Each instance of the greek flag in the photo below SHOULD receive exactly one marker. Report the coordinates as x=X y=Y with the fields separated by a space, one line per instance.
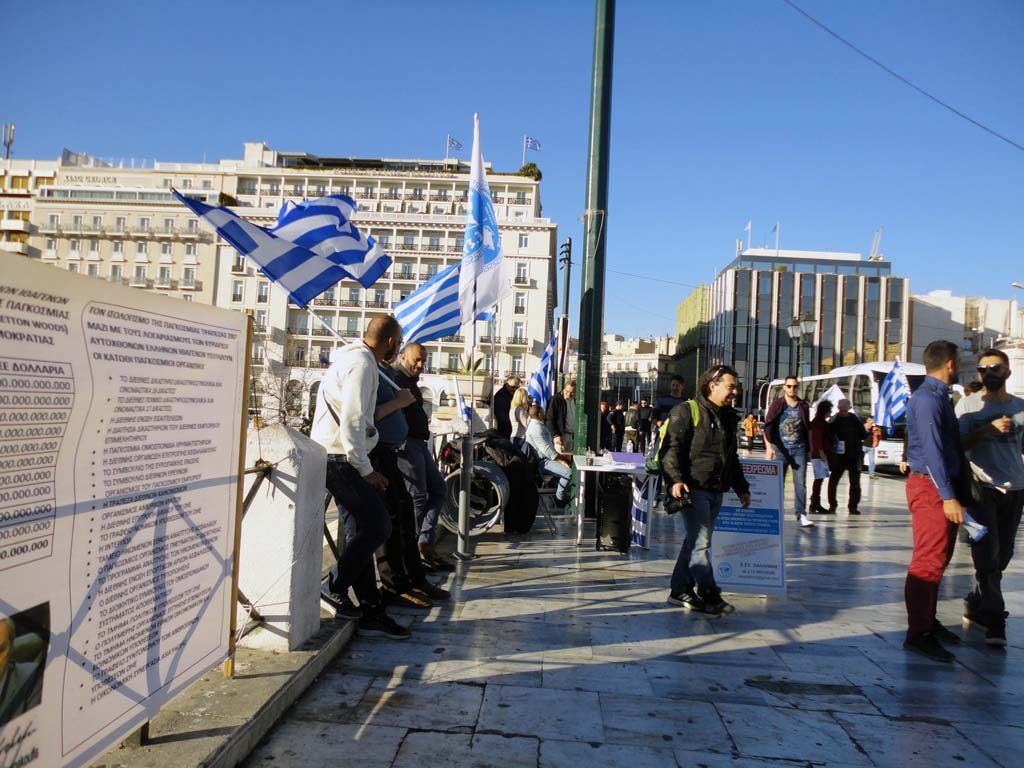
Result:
x=302 y=273
x=893 y=396
x=453 y=144
x=324 y=226
x=432 y=310
x=645 y=489
x=482 y=280
x=542 y=383
x=460 y=402
x=531 y=143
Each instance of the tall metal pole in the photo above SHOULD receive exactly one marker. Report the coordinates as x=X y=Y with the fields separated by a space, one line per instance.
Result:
x=595 y=235
x=563 y=324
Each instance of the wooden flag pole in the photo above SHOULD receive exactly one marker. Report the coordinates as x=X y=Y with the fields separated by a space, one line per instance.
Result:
x=229 y=662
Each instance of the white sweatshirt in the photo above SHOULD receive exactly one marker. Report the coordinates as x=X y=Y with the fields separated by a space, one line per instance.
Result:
x=350 y=387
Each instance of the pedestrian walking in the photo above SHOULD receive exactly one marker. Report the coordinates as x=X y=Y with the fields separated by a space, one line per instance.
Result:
x=992 y=428
x=630 y=432
x=605 y=436
x=787 y=433
x=644 y=422
x=821 y=454
x=561 y=417
x=702 y=461
x=519 y=415
x=848 y=435
x=617 y=419
x=871 y=443
x=936 y=463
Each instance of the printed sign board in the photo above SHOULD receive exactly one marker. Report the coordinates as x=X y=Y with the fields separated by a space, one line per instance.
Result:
x=749 y=550
x=120 y=413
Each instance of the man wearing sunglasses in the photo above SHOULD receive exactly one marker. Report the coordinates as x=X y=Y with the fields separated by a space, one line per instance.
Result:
x=992 y=428
x=787 y=431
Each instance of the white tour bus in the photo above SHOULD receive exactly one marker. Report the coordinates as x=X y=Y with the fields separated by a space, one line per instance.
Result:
x=860 y=384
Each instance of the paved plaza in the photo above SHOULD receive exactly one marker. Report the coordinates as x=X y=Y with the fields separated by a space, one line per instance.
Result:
x=553 y=655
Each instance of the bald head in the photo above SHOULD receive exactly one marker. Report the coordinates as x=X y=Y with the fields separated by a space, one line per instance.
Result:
x=413 y=358
x=384 y=338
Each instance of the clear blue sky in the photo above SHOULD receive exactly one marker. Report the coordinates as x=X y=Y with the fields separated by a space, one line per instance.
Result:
x=721 y=112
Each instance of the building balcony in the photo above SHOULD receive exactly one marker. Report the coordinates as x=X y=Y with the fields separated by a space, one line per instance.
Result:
x=301 y=331
x=259 y=328
x=14 y=247
x=404 y=275
x=257 y=360
x=165 y=282
x=453 y=339
x=390 y=195
x=521 y=280
x=238 y=268
x=324 y=302
x=433 y=248
x=406 y=247
x=518 y=201
x=190 y=284
x=377 y=304
x=350 y=333
x=440 y=198
x=519 y=310
x=489 y=339
x=15 y=225
x=367 y=194
x=415 y=197
x=321 y=332
x=455 y=249
x=51 y=228
x=350 y=303
x=497 y=199
x=427 y=275
x=517 y=340
x=506 y=374
x=271 y=192
x=117 y=280
x=140 y=282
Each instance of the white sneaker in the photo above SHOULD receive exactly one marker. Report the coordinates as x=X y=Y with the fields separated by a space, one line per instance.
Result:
x=806 y=522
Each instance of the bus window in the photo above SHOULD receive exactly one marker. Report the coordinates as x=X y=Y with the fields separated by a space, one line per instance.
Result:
x=861 y=395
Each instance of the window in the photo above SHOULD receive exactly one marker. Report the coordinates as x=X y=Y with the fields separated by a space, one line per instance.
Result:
x=140 y=273
x=257 y=351
x=97 y=222
x=237 y=288
x=519 y=330
x=263 y=292
x=517 y=363
x=188 y=275
x=408 y=240
x=207 y=184
x=353 y=295
x=378 y=296
x=51 y=245
x=168 y=225
x=141 y=248
x=94 y=248
x=119 y=246
x=431 y=269
x=168 y=183
x=261 y=318
x=144 y=223
x=520 y=303
x=524 y=241
x=73 y=267
x=93 y=270
x=321 y=190
x=247 y=187
x=522 y=272
x=74 y=246
x=453 y=361
x=520 y=198
x=298 y=189
x=165 y=275
x=193 y=225
x=352 y=326
x=187 y=296
x=190 y=249
x=121 y=223
x=165 y=249
x=76 y=222
x=53 y=219
x=115 y=272
x=19 y=182
x=275 y=188
x=186 y=183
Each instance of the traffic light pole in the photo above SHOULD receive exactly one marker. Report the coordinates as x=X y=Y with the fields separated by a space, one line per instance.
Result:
x=595 y=235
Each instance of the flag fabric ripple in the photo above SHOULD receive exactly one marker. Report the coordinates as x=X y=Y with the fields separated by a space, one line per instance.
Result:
x=893 y=395
x=542 y=383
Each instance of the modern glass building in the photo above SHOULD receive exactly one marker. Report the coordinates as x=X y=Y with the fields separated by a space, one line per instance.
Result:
x=853 y=311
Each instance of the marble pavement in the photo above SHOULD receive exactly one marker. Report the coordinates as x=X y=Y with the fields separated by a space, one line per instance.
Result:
x=552 y=655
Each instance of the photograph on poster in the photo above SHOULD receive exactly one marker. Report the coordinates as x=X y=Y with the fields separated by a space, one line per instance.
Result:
x=24 y=641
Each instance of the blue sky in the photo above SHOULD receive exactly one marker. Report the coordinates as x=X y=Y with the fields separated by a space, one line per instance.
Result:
x=722 y=111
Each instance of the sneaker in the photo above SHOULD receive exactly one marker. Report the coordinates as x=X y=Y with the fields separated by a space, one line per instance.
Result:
x=687 y=600
x=562 y=503
x=407 y=598
x=805 y=521
x=382 y=625
x=995 y=635
x=854 y=512
x=717 y=606
x=928 y=646
x=343 y=606
x=431 y=591
x=944 y=635
x=817 y=509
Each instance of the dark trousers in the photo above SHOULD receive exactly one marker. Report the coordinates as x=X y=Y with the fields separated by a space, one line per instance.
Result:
x=838 y=464
x=617 y=439
x=1000 y=513
x=934 y=540
x=816 y=493
x=425 y=485
x=367 y=526
x=398 y=559
x=643 y=436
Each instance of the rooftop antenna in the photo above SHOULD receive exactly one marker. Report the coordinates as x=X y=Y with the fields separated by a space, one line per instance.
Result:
x=8 y=139
x=876 y=254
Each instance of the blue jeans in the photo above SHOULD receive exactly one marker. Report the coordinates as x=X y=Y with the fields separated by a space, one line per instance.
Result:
x=367 y=526
x=426 y=486
x=559 y=470
x=693 y=566
x=801 y=459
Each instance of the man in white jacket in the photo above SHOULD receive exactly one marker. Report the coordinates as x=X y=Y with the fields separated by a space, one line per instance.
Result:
x=343 y=425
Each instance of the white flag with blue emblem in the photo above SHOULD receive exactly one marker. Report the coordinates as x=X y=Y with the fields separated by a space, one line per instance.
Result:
x=302 y=273
x=542 y=383
x=482 y=280
x=893 y=396
x=324 y=226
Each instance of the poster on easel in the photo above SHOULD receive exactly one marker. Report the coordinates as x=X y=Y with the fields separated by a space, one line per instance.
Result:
x=119 y=458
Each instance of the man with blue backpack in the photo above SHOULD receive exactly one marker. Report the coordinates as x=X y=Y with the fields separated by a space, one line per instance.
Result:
x=700 y=458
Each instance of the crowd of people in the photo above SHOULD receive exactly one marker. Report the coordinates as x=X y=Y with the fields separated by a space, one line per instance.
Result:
x=371 y=420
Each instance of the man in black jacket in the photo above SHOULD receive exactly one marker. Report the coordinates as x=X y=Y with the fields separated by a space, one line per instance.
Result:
x=561 y=417
x=419 y=471
x=501 y=402
x=702 y=460
x=644 y=420
x=849 y=433
x=617 y=420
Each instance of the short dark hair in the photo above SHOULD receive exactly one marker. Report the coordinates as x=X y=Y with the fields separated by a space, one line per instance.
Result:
x=792 y=376
x=677 y=377
x=938 y=353
x=990 y=352
x=712 y=374
x=536 y=412
x=824 y=408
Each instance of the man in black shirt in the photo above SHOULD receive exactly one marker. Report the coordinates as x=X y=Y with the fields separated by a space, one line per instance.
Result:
x=644 y=417
x=617 y=420
x=502 y=404
x=416 y=463
x=849 y=433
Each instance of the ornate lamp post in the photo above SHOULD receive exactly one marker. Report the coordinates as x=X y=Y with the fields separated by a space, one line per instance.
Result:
x=799 y=327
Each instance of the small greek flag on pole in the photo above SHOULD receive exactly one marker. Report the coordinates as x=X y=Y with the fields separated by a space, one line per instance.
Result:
x=463 y=408
x=453 y=143
x=893 y=395
x=432 y=310
x=531 y=143
x=542 y=383
x=302 y=273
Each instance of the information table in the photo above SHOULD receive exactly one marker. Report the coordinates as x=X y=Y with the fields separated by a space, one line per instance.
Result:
x=604 y=463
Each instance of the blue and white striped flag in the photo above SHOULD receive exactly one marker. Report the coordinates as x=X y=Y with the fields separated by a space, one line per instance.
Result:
x=464 y=410
x=893 y=396
x=324 y=226
x=531 y=143
x=302 y=273
x=482 y=280
x=453 y=144
x=432 y=310
x=542 y=383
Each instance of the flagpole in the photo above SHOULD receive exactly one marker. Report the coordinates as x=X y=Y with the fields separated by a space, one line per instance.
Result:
x=490 y=368
x=347 y=342
x=777 y=228
x=466 y=475
x=524 y=152
x=447 y=144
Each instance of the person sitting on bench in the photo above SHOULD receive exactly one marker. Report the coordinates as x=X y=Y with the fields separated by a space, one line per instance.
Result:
x=551 y=462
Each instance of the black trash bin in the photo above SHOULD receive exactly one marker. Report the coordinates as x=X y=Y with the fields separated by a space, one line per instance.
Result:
x=614 y=524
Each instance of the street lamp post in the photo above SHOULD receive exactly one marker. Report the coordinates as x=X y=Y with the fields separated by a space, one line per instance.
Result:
x=798 y=328
x=652 y=376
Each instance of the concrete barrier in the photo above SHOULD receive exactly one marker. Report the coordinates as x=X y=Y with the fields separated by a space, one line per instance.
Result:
x=282 y=539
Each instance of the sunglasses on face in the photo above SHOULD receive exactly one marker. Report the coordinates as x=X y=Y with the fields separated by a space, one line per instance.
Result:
x=997 y=368
x=789 y=386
